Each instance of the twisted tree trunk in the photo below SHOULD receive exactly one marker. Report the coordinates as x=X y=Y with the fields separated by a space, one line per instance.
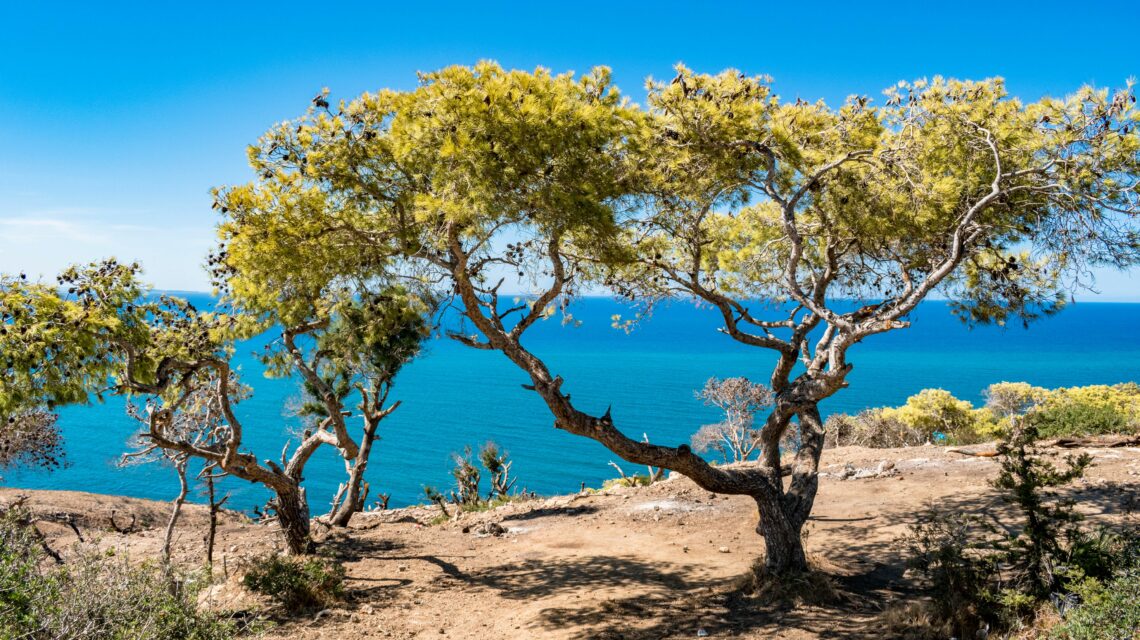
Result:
x=356 y=490
x=293 y=517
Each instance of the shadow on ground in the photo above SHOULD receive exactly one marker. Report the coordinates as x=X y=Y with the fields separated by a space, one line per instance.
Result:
x=676 y=600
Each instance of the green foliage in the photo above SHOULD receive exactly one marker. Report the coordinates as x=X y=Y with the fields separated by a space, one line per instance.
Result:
x=466 y=495
x=341 y=193
x=61 y=345
x=730 y=161
x=1026 y=480
x=298 y=584
x=1107 y=610
x=467 y=478
x=496 y=462
x=94 y=596
x=1092 y=410
x=939 y=416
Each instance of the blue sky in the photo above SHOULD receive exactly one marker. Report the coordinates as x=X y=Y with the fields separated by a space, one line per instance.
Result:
x=116 y=119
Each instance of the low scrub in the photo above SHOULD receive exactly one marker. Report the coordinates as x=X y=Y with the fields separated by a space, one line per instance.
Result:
x=1105 y=610
x=466 y=496
x=95 y=595
x=935 y=416
x=300 y=584
x=988 y=572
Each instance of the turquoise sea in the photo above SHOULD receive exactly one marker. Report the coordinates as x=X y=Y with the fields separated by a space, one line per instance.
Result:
x=455 y=396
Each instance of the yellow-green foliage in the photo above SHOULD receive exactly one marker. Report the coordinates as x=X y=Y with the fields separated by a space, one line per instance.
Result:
x=938 y=415
x=343 y=192
x=935 y=415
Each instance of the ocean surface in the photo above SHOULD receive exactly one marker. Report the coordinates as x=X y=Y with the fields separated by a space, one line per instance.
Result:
x=454 y=396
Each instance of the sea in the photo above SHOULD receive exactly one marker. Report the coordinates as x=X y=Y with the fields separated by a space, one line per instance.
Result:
x=453 y=396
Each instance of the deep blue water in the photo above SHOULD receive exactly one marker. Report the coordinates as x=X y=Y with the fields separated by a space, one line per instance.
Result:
x=455 y=396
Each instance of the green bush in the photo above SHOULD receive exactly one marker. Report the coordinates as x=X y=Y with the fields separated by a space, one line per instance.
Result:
x=1068 y=419
x=1107 y=611
x=94 y=596
x=990 y=571
x=300 y=584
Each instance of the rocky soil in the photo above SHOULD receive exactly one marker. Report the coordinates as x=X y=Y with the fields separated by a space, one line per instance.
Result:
x=666 y=561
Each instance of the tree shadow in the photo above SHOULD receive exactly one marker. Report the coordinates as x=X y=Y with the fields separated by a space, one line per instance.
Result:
x=671 y=599
x=546 y=577
x=543 y=512
x=351 y=548
x=676 y=605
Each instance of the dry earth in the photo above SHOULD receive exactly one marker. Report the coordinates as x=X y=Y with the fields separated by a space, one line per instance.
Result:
x=665 y=561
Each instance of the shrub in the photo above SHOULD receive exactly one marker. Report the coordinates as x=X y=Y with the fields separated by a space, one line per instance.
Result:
x=1092 y=410
x=95 y=596
x=633 y=480
x=987 y=574
x=932 y=415
x=1107 y=610
x=955 y=552
x=297 y=583
x=104 y=596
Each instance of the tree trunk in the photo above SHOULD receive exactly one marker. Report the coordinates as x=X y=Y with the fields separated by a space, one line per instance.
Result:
x=356 y=489
x=783 y=544
x=293 y=517
x=783 y=512
x=175 y=510
x=215 y=508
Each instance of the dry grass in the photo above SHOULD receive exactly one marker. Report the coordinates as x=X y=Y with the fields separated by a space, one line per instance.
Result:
x=816 y=587
x=912 y=621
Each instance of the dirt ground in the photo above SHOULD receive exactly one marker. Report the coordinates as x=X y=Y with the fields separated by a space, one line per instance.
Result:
x=665 y=561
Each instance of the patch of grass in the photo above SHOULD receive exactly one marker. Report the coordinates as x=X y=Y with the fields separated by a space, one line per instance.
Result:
x=300 y=584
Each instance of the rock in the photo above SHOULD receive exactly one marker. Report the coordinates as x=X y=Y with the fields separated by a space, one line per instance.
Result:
x=701 y=633
x=723 y=550
x=490 y=529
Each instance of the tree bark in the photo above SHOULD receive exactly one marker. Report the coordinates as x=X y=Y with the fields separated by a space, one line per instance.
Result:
x=356 y=489
x=175 y=510
x=783 y=543
x=293 y=517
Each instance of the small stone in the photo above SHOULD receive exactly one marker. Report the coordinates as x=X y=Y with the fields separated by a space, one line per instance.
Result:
x=723 y=550
x=685 y=549
x=490 y=529
x=401 y=567
x=701 y=633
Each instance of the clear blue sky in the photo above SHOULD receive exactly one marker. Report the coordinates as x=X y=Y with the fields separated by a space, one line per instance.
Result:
x=116 y=119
